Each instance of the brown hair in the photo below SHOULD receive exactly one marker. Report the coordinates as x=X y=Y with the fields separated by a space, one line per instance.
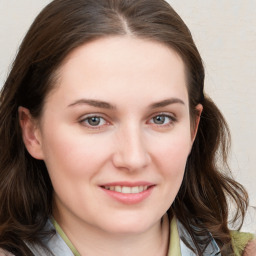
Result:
x=25 y=187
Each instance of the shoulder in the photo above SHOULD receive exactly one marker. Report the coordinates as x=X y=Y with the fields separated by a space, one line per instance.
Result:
x=5 y=253
x=243 y=242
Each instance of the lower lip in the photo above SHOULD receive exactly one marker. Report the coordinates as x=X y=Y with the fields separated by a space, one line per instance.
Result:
x=129 y=198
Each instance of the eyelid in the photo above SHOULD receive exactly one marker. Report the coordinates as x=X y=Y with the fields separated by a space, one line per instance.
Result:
x=163 y=113
x=166 y=114
x=98 y=115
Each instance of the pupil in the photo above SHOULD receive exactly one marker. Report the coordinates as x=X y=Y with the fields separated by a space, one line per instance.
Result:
x=94 y=120
x=159 y=119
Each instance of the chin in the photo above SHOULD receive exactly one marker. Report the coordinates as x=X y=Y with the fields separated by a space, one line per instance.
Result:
x=130 y=226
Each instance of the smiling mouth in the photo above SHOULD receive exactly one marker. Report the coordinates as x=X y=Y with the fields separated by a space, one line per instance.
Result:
x=127 y=190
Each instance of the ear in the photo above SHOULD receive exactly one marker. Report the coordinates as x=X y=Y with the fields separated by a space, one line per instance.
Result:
x=195 y=124
x=30 y=133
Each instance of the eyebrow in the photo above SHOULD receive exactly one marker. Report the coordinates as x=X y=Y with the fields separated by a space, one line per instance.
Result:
x=106 y=105
x=93 y=103
x=167 y=102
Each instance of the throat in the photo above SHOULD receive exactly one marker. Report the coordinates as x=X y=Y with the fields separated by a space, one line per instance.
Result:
x=152 y=243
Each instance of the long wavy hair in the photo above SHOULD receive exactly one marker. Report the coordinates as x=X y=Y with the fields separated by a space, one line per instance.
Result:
x=63 y=25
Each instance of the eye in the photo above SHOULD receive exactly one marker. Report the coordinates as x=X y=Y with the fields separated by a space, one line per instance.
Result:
x=94 y=121
x=162 y=119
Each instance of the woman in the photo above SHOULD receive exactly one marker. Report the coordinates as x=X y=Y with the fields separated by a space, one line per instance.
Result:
x=108 y=144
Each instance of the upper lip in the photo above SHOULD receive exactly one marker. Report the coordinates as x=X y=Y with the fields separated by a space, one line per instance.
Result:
x=127 y=184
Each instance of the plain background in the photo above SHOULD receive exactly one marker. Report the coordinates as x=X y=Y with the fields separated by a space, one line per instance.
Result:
x=225 y=33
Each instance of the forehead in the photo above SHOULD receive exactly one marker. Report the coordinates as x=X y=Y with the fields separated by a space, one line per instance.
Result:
x=124 y=65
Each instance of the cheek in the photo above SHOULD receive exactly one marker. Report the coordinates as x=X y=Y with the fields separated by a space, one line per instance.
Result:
x=70 y=155
x=173 y=152
x=72 y=162
x=174 y=163
x=171 y=158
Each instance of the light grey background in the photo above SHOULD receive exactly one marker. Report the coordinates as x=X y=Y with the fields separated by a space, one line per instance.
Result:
x=225 y=33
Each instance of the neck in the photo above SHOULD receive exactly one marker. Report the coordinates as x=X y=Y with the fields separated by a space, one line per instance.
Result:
x=91 y=241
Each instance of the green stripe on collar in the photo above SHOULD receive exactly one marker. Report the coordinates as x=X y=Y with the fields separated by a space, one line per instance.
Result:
x=64 y=237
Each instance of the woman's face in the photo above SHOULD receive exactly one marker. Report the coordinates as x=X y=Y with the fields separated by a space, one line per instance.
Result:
x=115 y=134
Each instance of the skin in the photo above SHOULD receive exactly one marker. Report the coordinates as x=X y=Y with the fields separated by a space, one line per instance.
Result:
x=142 y=133
x=250 y=249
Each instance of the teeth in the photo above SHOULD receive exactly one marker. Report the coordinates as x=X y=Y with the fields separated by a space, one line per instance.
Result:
x=134 y=190
x=127 y=190
x=118 y=189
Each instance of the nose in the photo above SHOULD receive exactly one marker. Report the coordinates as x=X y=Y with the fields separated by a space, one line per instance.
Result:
x=130 y=150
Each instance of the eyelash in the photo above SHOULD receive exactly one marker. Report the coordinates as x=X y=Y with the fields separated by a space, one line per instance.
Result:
x=171 y=121
x=85 y=121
